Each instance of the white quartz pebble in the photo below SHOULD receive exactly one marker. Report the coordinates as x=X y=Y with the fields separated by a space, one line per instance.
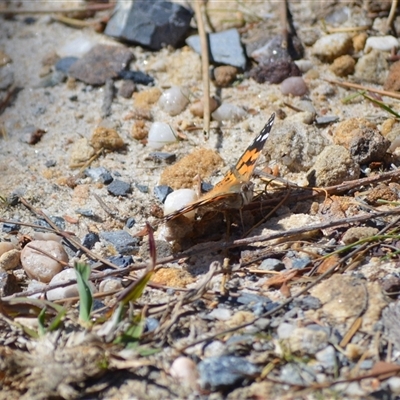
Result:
x=38 y=265
x=174 y=100
x=178 y=199
x=65 y=291
x=228 y=112
x=160 y=134
x=184 y=370
x=382 y=43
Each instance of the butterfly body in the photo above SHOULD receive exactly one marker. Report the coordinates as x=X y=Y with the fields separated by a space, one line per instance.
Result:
x=235 y=190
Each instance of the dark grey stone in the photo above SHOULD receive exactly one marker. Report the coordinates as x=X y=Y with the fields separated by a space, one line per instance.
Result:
x=99 y=174
x=119 y=188
x=90 y=240
x=225 y=48
x=10 y=227
x=161 y=192
x=136 y=77
x=161 y=156
x=123 y=242
x=152 y=24
x=219 y=373
x=142 y=188
x=65 y=63
x=121 y=261
x=130 y=222
x=272 y=264
x=85 y=212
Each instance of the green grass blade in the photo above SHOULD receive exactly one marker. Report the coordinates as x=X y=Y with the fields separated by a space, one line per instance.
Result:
x=85 y=293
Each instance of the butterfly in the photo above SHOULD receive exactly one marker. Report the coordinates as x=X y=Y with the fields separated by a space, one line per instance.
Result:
x=235 y=190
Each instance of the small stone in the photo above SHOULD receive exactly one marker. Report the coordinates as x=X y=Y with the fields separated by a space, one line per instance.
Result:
x=119 y=188
x=106 y=138
x=142 y=188
x=224 y=75
x=85 y=212
x=10 y=260
x=372 y=67
x=99 y=174
x=146 y=98
x=275 y=72
x=333 y=166
x=5 y=247
x=110 y=284
x=123 y=242
x=130 y=222
x=197 y=108
x=392 y=81
x=126 y=89
x=161 y=134
x=121 y=261
x=152 y=24
x=8 y=284
x=81 y=152
x=161 y=192
x=381 y=43
x=65 y=291
x=168 y=158
x=218 y=373
x=327 y=357
x=271 y=264
x=32 y=134
x=6 y=78
x=102 y=62
x=343 y=65
x=58 y=221
x=297 y=374
x=304 y=340
x=174 y=100
x=90 y=239
x=359 y=41
x=225 y=48
x=65 y=63
x=229 y=112
x=9 y=227
x=77 y=47
x=357 y=233
x=294 y=85
x=185 y=371
x=178 y=199
x=394 y=384
x=39 y=266
x=329 y=47
x=4 y=58
x=139 y=130
x=138 y=77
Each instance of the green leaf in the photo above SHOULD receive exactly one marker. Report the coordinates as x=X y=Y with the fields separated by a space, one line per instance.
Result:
x=85 y=293
x=42 y=322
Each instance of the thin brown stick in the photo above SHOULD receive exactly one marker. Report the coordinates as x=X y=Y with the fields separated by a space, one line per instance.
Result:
x=205 y=62
x=89 y=7
x=392 y=15
x=362 y=87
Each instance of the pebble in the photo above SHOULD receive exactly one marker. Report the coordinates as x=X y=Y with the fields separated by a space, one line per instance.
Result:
x=31 y=134
x=275 y=72
x=343 y=65
x=136 y=76
x=381 y=43
x=81 y=152
x=36 y=285
x=394 y=384
x=5 y=247
x=144 y=100
x=329 y=47
x=58 y=221
x=185 y=371
x=121 y=261
x=152 y=24
x=168 y=158
x=110 y=284
x=297 y=374
x=359 y=41
x=10 y=260
x=178 y=199
x=119 y=188
x=333 y=166
x=77 y=47
x=362 y=139
x=161 y=192
x=174 y=100
x=272 y=264
x=90 y=239
x=221 y=314
x=307 y=303
x=197 y=108
x=37 y=265
x=106 y=138
x=65 y=63
x=326 y=357
x=101 y=63
x=130 y=222
x=224 y=75
x=126 y=89
x=142 y=188
x=6 y=78
x=392 y=82
x=218 y=373
x=285 y=330
x=372 y=67
x=294 y=85
x=9 y=227
x=357 y=233
x=65 y=291
x=161 y=134
x=99 y=174
x=4 y=59
x=304 y=65
x=123 y=242
x=139 y=130
x=229 y=112
x=225 y=48
x=85 y=212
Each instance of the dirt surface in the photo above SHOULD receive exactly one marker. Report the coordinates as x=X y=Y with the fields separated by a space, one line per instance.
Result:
x=195 y=295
